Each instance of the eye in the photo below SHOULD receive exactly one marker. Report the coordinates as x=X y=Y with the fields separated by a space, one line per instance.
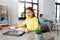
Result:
x=29 y=12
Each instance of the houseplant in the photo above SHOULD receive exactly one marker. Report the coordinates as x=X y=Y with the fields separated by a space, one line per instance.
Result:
x=38 y=34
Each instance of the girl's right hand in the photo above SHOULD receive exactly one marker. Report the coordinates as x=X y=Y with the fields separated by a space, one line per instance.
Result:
x=16 y=27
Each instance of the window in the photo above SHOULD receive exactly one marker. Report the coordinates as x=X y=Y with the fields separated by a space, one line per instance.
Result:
x=28 y=5
x=20 y=7
x=23 y=4
x=58 y=1
x=28 y=0
x=57 y=5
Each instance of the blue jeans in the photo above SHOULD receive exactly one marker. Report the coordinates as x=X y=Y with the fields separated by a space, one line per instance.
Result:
x=48 y=24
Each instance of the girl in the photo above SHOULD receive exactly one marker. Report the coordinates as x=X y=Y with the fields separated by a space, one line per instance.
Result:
x=31 y=21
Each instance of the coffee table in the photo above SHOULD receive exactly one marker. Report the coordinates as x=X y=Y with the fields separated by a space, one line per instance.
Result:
x=31 y=36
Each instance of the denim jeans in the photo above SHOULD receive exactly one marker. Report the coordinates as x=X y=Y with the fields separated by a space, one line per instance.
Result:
x=48 y=24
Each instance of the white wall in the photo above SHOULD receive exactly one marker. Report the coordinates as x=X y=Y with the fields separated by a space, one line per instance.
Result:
x=41 y=6
x=49 y=8
x=13 y=10
x=45 y=6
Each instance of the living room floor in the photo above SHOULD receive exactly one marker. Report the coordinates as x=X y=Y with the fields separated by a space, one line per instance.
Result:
x=2 y=37
x=5 y=37
x=54 y=34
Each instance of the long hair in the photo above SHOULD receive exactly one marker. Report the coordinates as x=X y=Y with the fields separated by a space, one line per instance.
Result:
x=30 y=8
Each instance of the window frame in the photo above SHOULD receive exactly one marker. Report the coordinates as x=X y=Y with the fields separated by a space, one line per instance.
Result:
x=56 y=3
x=32 y=7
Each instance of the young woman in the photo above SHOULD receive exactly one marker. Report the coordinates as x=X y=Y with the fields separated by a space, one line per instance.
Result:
x=31 y=21
x=42 y=22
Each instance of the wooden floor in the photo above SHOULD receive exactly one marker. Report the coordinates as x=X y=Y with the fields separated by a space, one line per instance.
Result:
x=29 y=36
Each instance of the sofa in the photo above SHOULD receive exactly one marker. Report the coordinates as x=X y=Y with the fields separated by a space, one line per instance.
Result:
x=45 y=27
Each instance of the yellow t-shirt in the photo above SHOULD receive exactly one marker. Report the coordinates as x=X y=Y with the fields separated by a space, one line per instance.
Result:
x=31 y=23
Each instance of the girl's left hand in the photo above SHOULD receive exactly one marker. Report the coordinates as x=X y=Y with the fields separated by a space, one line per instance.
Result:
x=26 y=30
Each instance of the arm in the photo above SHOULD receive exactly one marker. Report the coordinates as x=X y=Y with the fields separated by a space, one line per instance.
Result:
x=21 y=25
x=36 y=24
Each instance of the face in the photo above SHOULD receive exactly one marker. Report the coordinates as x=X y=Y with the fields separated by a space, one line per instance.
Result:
x=42 y=16
x=29 y=13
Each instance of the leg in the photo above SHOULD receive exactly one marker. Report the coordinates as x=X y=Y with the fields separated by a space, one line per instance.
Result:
x=49 y=25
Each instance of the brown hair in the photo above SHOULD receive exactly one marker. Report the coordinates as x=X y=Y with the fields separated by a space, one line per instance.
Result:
x=30 y=8
x=41 y=15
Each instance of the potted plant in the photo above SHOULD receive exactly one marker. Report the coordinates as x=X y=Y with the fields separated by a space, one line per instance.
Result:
x=38 y=34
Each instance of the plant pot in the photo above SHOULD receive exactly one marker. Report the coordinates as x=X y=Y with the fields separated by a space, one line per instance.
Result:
x=38 y=37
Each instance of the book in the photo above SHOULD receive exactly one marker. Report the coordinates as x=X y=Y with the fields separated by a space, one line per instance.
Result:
x=20 y=30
